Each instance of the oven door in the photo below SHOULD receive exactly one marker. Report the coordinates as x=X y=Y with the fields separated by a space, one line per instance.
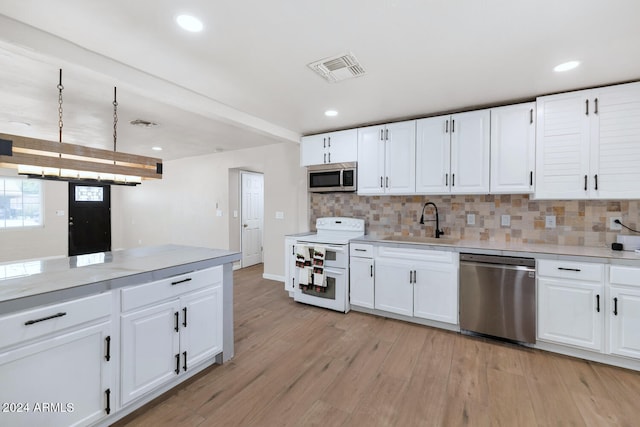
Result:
x=333 y=297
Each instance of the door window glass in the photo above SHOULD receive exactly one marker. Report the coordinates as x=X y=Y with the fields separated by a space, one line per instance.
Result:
x=20 y=203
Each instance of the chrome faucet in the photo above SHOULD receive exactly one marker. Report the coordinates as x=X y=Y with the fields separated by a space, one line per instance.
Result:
x=437 y=220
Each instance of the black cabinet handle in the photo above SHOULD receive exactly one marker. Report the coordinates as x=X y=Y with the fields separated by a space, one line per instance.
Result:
x=31 y=322
x=329 y=156
x=184 y=312
x=387 y=182
x=453 y=179
x=177 y=371
x=596 y=179
x=615 y=306
x=177 y=316
x=372 y=271
x=108 y=355
x=568 y=269
x=446 y=127
x=453 y=126
x=188 y=279
x=324 y=158
x=598 y=303
x=531 y=116
x=184 y=353
x=585 y=183
x=107 y=394
x=329 y=145
x=531 y=178
x=360 y=250
x=446 y=179
x=596 y=109
x=381 y=182
x=586 y=103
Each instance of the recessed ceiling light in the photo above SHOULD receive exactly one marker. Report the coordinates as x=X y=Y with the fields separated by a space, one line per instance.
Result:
x=331 y=113
x=566 y=66
x=190 y=23
x=156 y=148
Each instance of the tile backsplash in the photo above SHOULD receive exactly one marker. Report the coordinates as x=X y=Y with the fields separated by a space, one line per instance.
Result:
x=578 y=222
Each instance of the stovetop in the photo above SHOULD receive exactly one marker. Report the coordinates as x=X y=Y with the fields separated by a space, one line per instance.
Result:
x=336 y=230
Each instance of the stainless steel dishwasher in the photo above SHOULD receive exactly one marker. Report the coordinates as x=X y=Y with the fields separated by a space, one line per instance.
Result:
x=498 y=296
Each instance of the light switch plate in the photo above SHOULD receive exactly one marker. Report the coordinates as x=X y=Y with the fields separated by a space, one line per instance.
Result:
x=505 y=220
x=471 y=219
x=279 y=215
x=550 y=221
x=235 y=214
x=218 y=212
x=613 y=225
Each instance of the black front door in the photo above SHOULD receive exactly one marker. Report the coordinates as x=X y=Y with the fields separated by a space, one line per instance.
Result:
x=89 y=218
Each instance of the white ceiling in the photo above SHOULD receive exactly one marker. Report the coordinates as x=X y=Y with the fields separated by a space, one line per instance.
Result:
x=243 y=81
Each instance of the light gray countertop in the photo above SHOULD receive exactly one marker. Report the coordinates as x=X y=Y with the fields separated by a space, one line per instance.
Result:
x=533 y=250
x=36 y=282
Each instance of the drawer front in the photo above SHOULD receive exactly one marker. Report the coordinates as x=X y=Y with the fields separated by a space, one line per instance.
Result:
x=619 y=275
x=591 y=272
x=417 y=254
x=150 y=293
x=38 y=322
x=361 y=250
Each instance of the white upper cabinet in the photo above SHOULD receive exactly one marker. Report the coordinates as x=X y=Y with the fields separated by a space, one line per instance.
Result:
x=513 y=148
x=453 y=154
x=386 y=158
x=332 y=147
x=588 y=144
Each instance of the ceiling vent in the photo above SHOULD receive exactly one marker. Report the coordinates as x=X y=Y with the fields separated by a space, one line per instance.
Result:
x=143 y=123
x=337 y=68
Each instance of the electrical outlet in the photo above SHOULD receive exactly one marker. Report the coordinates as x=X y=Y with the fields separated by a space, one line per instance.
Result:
x=505 y=220
x=471 y=219
x=550 y=221
x=613 y=225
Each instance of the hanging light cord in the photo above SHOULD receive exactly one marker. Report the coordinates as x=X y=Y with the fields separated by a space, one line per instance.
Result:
x=617 y=221
x=115 y=120
x=60 y=123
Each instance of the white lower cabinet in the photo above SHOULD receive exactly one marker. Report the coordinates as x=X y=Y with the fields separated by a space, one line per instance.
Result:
x=361 y=276
x=624 y=311
x=164 y=334
x=62 y=378
x=571 y=313
x=419 y=283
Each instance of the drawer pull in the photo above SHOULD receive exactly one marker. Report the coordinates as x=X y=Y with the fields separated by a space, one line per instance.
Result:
x=360 y=250
x=107 y=394
x=598 y=303
x=108 y=355
x=31 y=322
x=615 y=306
x=568 y=269
x=177 y=371
x=188 y=279
x=184 y=353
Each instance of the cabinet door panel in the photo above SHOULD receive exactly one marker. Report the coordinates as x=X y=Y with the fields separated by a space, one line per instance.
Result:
x=393 y=290
x=361 y=282
x=562 y=146
x=567 y=313
x=201 y=338
x=433 y=156
x=370 y=160
x=435 y=294
x=512 y=148
x=624 y=312
x=470 y=152
x=342 y=146
x=312 y=150
x=149 y=344
x=615 y=142
x=400 y=158
x=68 y=369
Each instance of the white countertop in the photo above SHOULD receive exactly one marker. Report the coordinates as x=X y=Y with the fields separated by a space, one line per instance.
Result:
x=534 y=250
x=103 y=271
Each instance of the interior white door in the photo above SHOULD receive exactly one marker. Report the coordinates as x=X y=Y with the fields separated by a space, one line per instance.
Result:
x=252 y=217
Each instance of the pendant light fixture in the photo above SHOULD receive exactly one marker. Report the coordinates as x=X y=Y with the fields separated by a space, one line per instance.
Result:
x=42 y=159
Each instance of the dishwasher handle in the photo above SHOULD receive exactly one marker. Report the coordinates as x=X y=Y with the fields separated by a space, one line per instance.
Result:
x=497 y=266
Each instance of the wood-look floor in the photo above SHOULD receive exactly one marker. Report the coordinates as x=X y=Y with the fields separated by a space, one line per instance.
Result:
x=298 y=365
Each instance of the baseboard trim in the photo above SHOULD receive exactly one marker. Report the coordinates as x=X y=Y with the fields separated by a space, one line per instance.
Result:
x=275 y=277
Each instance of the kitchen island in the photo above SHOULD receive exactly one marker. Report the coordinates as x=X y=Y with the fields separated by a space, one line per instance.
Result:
x=128 y=325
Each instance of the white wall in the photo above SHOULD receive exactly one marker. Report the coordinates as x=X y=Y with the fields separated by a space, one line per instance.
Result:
x=181 y=208
x=39 y=242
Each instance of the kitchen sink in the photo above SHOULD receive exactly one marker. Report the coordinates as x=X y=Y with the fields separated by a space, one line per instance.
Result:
x=420 y=239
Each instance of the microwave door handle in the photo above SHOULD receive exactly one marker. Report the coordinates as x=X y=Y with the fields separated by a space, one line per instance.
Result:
x=341 y=178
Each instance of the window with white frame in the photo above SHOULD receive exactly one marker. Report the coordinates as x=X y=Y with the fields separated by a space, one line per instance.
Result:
x=20 y=203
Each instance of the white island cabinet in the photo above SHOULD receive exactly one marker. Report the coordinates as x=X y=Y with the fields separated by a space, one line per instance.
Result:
x=87 y=340
x=624 y=311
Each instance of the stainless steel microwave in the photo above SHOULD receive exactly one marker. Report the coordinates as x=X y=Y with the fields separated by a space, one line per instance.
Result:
x=332 y=177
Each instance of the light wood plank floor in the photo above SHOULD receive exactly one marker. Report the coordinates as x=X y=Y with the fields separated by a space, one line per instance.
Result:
x=298 y=365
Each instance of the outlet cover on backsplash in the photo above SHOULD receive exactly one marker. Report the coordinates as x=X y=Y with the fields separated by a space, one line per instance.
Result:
x=579 y=222
x=550 y=221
